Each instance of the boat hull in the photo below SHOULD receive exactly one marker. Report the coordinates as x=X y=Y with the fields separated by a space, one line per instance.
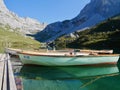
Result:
x=68 y=60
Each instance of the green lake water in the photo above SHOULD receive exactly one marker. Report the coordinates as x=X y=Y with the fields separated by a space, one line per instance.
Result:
x=66 y=78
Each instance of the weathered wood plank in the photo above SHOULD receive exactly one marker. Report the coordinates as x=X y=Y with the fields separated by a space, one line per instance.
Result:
x=2 y=56
x=7 y=81
x=5 y=76
x=11 y=76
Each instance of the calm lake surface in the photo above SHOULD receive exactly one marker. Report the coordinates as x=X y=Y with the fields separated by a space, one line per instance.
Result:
x=66 y=78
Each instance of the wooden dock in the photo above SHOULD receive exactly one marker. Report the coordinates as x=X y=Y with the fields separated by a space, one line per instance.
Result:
x=7 y=81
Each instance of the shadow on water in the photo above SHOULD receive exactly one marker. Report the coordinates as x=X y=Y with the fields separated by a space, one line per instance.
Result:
x=69 y=78
x=118 y=63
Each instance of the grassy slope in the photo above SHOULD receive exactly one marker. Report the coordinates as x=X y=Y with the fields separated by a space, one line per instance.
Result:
x=104 y=36
x=15 y=40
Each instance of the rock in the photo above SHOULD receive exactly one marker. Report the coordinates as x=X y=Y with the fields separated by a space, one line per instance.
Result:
x=13 y=21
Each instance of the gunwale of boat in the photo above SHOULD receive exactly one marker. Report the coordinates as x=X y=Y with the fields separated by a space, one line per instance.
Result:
x=63 y=54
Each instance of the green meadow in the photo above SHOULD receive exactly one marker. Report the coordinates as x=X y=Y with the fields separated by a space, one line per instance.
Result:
x=16 y=40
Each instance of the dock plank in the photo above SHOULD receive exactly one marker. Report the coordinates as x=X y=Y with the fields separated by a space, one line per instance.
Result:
x=2 y=56
x=5 y=76
x=7 y=81
x=11 y=76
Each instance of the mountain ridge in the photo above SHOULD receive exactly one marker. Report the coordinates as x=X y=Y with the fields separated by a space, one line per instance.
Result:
x=93 y=13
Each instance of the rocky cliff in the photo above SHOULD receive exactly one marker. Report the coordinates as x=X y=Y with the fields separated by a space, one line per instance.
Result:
x=93 y=13
x=13 y=21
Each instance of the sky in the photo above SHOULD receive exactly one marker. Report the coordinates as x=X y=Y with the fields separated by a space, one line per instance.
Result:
x=46 y=11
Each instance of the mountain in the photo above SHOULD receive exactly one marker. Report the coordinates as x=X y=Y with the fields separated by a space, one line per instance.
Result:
x=92 y=14
x=13 y=21
x=105 y=35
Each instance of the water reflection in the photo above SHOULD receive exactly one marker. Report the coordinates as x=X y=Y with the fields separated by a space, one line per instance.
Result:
x=71 y=72
x=67 y=78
